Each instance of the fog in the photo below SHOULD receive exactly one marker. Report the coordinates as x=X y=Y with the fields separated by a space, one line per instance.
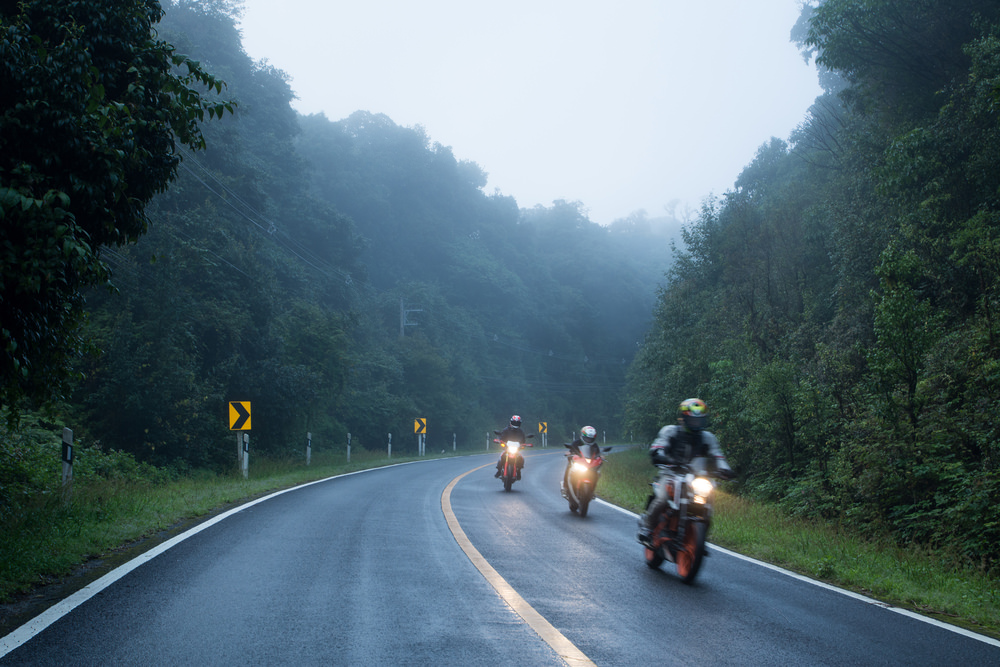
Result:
x=647 y=104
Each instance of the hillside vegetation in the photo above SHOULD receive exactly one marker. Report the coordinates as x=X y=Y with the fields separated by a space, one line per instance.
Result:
x=838 y=308
x=172 y=244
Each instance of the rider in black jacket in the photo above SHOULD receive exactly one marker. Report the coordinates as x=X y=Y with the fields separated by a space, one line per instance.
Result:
x=512 y=432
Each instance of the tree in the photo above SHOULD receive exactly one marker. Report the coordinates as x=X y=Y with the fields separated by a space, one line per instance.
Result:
x=92 y=110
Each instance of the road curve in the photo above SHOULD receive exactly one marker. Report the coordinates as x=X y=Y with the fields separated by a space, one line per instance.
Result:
x=365 y=569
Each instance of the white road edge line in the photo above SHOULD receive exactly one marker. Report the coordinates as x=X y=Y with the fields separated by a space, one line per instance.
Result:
x=33 y=627
x=857 y=596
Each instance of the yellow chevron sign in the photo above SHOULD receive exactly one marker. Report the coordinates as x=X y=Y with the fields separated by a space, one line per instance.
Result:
x=420 y=425
x=239 y=415
x=543 y=427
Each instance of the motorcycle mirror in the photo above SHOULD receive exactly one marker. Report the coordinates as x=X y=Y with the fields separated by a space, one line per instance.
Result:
x=531 y=435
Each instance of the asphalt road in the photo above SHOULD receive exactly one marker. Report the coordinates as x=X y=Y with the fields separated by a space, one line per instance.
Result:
x=364 y=569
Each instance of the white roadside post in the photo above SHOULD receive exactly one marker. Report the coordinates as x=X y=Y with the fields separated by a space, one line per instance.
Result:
x=309 y=447
x=67 y=456
x=390 y=445
x=348 y=447
x=246 y=455
x=454 y=445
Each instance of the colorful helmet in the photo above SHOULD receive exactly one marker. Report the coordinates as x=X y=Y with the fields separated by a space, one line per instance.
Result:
x=694 y=414
x=515 y=421
x=588 y=434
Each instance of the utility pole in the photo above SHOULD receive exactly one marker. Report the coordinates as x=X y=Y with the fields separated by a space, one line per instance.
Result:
x=403 y=320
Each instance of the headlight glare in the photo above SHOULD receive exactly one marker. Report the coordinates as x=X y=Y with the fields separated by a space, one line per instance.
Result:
x=702 y=487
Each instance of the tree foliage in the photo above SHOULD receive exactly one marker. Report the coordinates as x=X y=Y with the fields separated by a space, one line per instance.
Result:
x=93 y=106
x=847 y=287
x=279 y=266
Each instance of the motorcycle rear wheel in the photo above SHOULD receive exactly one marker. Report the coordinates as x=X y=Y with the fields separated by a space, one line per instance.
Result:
x=689 y=558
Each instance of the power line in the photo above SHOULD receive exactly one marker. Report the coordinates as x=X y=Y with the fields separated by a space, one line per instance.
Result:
x=269 y=231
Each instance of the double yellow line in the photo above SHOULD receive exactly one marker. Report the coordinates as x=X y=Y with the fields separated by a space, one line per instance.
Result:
x=566 y=650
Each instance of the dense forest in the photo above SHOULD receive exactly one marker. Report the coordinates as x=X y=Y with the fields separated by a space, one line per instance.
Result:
x=345 y=277
x=838 y=307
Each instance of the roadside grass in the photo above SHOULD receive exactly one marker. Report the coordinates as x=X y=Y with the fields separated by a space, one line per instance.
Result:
x=921 y=580
x=53 y=534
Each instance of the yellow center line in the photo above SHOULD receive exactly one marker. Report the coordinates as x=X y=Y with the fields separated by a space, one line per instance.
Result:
x=566 y=650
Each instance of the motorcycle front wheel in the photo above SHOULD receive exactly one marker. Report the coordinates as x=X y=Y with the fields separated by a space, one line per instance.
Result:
x=653 y=558
x=584 y=502
x=689 y=558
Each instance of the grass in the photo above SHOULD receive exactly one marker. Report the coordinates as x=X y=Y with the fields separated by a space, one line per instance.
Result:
x=927 y=582
x=55 y=533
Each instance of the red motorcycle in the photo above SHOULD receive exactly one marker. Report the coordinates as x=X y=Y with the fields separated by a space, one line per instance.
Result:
x=584 y=471
x=508 y=474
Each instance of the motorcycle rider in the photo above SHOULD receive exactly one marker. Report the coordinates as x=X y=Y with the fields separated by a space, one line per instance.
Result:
x=586 y=446
x=512 y=432
x=681 y=443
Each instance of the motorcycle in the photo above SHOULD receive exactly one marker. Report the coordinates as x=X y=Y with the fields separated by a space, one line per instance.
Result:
x=511 y=448
x=682 y=528
x=584 y=471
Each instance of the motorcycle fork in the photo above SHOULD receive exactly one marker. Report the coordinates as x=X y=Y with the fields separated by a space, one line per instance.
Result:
x=681 y=522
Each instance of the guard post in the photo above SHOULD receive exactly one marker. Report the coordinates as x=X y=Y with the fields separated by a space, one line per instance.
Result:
x=67 y=456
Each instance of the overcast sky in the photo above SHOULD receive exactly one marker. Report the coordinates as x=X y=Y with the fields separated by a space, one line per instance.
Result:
x=619 y=104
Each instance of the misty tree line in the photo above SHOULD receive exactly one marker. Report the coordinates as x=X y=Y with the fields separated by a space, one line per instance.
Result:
x=275 y=266
x=838 y=308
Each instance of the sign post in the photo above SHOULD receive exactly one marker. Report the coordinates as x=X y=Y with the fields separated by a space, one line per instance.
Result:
x=239 y=420
x=420 y=428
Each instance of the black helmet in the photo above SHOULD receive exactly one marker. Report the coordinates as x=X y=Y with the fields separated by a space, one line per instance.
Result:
x=694 y=414
x=515 y=421
x=588 y=434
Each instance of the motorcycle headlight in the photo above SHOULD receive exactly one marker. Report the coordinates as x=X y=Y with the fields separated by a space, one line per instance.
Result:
x=702 y=489
x=579 y=467
x=512 y=447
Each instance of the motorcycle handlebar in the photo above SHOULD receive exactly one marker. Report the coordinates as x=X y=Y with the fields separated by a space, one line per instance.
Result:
x=685 y=468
